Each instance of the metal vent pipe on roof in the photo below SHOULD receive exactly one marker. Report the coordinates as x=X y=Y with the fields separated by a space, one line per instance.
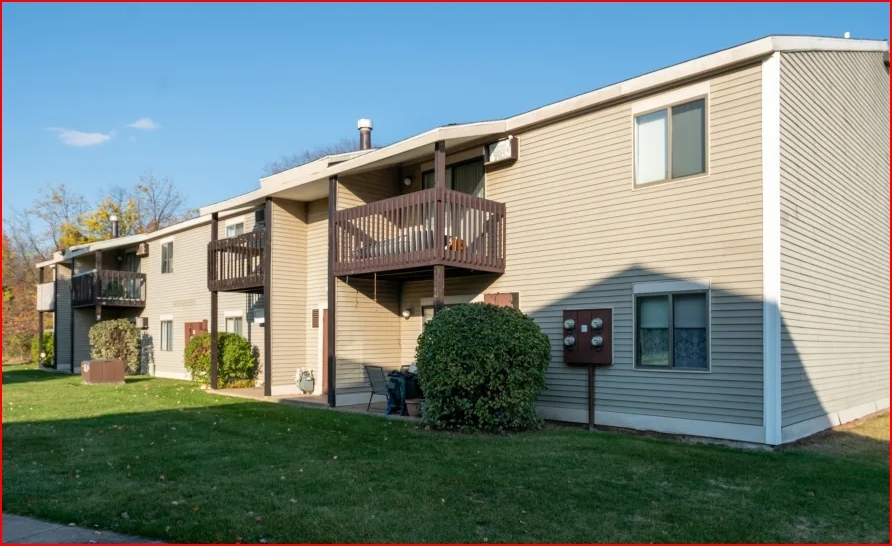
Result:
x=365 y=133
x=114 y=226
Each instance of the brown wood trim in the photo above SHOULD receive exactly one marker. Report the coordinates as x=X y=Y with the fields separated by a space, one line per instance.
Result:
x=405 y=232
x=55 y=317
x=332 y=287
x=215 y=326
x=237 y=264
x=97 y=284
x=267 y=294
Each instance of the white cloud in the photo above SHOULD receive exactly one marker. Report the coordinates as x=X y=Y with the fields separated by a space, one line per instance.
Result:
x=145 y=123
x=71 y=137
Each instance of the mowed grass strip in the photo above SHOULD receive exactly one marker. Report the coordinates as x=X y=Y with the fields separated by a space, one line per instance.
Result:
x=162 y=459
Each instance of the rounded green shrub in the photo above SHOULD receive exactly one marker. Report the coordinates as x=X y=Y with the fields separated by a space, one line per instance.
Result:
x=48 y=348
x=116 y=339
x=480 y=367
x=237 y=359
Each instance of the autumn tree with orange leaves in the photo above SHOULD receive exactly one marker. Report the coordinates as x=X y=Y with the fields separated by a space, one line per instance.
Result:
x=60 y=218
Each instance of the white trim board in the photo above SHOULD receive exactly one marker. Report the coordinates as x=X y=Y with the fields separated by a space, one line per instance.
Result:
x=771 y=251
x=185 y=376
x=356 y=399
x=666 y=425
x=675 y=96
x=796 y=431
x=661 y=287
x=233 y=314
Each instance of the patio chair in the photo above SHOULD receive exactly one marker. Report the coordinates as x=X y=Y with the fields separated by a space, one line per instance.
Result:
x=378 y=381
x=405 y=368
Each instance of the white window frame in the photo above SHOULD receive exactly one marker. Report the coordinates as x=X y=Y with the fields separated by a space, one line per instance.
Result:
x=169 y=240
x=161 y=338
x=448 y=300
x=666 y=101
x=232 y=222
x=233 y=315
x=660 y=288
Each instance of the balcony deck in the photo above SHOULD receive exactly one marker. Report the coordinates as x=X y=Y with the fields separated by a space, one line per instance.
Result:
x=405 y=236
x=108 y=288
x=235 y=264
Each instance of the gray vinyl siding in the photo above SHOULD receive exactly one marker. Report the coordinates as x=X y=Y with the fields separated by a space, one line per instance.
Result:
x=834 y=232
x=62 y=317
x=580 y=235
x=368 y=328
x=288 y=318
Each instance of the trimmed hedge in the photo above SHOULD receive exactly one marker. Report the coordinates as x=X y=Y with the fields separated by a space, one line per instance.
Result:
x=48 y=348
x=237 y=360
x=481 y=367
x=116 y=339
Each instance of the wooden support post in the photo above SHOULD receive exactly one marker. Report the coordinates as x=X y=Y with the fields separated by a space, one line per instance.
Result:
x=591 y=397
x=440 y=231
x=56 y=316
x=267 y=295
x=212 y=272
x=332 y=288
x=40 y=323
x=97 y=285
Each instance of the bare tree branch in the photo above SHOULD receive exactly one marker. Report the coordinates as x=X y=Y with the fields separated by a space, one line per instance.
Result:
x=302 y=158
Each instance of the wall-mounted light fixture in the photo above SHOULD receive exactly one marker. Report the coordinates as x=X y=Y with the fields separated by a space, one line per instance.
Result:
x=407 y=181
x=407 y=313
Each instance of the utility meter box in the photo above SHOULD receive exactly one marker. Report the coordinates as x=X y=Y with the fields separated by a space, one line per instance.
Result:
x=96 y=372
x=588 y=337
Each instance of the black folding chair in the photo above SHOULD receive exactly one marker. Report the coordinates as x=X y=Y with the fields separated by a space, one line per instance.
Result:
x=378 y=381
x=405 y=368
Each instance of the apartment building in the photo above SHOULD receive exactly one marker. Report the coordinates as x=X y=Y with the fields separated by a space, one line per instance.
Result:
x=728 y=216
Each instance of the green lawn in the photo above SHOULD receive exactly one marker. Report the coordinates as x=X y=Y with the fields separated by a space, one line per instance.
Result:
x=162 y=459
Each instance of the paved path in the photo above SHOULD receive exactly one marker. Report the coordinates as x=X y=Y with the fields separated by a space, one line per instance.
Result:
x=22 y=530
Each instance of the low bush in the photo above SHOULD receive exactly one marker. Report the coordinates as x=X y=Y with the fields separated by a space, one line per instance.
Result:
x=481 y=367
x=237 y=360
x=116 y=339
x=48 y=348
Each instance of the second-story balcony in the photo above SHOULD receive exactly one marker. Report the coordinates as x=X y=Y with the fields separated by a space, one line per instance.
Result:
x=413 y=232
x=235 y=264
x=108 y=288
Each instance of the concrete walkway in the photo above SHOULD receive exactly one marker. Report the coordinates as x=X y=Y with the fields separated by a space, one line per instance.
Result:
x=22 y=530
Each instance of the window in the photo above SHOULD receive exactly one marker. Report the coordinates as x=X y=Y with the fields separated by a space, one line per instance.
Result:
x=234 y=325
x=467 y=177
x=234 y=230
x=671 y=143
x=260 y=217
x=166 y=335
x=672 y=331
x=167 y=257
x=427 y=313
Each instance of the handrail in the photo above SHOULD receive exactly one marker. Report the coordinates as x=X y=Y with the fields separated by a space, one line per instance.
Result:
x=403 y=232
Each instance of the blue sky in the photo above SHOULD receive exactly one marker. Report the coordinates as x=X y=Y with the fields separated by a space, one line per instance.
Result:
x=216 y=91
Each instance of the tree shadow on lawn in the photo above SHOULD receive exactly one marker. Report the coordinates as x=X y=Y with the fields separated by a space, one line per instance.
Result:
x=162 y=459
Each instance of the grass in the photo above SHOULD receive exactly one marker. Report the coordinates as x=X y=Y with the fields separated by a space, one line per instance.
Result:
x=162 y=459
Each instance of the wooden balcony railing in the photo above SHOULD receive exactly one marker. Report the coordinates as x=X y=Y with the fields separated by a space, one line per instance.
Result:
x=421 y=229
x=235 y=264
x=109 y=288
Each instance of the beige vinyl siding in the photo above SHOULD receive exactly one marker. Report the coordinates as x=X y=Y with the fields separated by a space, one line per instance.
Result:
x=834 y=232
x=368 y=331
x=317 y=283
x=184 y=295
x=580 y=235
x=288 y=318
x=415 y=292
x=62 y=317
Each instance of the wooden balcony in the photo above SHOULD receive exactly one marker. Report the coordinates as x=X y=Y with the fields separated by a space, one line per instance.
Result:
x=235 y=264
x=108 y=288
x=406 y=236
